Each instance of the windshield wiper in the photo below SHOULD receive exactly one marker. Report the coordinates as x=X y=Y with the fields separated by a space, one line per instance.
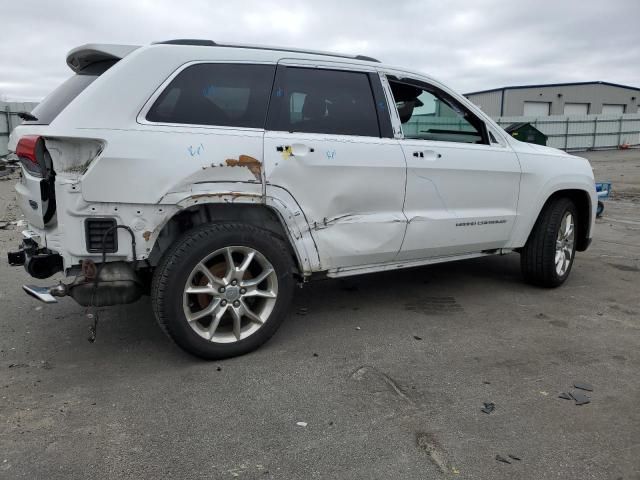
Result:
x=27 y=117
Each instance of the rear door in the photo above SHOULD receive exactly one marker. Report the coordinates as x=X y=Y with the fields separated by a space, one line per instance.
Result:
x=462 y=182
x=329 y=143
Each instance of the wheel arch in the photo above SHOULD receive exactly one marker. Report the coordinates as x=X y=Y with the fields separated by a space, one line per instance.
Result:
x=585 y=210
x=195 y=210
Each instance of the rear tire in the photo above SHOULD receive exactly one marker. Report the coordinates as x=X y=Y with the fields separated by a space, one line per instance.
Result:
x=223 y=289
x=547 y=258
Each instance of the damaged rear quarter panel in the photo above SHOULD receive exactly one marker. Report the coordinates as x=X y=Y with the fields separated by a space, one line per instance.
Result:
x=71 y=157
x=143 y=165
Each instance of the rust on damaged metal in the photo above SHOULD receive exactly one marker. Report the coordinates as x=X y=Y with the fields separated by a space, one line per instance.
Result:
x=251 y=163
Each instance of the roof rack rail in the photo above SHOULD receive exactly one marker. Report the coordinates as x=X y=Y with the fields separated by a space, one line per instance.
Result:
x=366 y=58
x=188 y=41
x=211 y=43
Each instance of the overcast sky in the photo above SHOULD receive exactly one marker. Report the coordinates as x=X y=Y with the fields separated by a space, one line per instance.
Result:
x=470 y=44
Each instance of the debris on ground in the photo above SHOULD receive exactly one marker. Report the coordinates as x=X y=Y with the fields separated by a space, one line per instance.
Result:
x=583 y=386
x=302 y=311
x=417 y=337
x=513 y=457
x=488 y=407
x=17 y=365
x=500 y=458
x=301 y=424
x=93 y=329
x=580 y=398
x=315 y=354
x=10 y=159
x=357 y=328
x=437 y=454
x=4 y=225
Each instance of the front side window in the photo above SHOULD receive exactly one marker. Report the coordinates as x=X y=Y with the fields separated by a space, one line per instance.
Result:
x=230 y=95
x=324 y=101
x=426 y=113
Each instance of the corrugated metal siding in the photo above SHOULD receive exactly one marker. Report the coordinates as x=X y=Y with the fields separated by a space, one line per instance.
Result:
x=9 y=119
x=489 y=102
x=595 y=95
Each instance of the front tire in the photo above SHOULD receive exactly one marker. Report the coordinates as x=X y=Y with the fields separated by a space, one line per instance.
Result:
x=547 y=258
x=223 y=289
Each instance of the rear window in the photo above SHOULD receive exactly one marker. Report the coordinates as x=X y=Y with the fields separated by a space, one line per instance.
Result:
x=311 y=100
x=56 y=101
x=230 y=95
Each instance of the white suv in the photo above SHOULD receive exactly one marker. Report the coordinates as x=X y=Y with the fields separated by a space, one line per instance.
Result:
x=216 y=176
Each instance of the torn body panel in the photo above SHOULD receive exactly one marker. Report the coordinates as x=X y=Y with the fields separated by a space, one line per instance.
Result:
x=292 y=218
x=67 y=234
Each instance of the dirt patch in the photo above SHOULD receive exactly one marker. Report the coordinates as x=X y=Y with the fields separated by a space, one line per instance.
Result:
x=559 y=323
x=376 y=379
x=437 y=454
x=434 y=306
x=625 y=268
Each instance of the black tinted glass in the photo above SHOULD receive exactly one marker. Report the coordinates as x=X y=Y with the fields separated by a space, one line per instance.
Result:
x=324 y=101
x=216 y=94
x=62 y=96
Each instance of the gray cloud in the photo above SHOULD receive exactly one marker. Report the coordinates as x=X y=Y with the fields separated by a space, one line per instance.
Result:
x=469 y=44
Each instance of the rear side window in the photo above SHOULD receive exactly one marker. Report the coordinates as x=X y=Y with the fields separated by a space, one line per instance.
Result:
x=56 y=101
x=324 y=101
x=229 y=95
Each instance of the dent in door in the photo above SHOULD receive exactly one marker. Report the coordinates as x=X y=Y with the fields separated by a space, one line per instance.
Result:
x=352 y=222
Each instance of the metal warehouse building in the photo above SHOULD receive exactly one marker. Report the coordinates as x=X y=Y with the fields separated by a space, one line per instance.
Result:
x=584 y=98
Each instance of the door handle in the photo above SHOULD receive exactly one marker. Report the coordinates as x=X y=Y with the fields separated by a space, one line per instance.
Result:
x=295 y=149
x=430 y=154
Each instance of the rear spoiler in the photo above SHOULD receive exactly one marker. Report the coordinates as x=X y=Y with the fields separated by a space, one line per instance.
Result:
x=85 y=55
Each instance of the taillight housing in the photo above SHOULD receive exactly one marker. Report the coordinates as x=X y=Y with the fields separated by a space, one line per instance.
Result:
x=30 y=150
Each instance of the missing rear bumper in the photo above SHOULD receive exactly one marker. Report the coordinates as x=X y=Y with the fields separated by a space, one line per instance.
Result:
x=38 y=262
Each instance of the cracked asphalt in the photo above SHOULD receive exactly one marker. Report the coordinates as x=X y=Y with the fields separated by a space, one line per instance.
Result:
x=388 y=371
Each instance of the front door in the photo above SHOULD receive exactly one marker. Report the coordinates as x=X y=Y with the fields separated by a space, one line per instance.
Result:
x=462 y=182
x=329 y=144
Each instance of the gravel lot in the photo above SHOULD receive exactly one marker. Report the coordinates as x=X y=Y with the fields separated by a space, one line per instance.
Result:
x=388 y=371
